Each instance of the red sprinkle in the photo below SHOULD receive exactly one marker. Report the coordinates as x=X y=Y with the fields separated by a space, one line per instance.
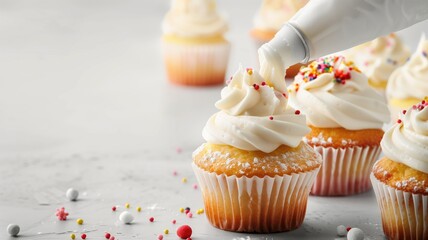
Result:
x=107 y=235
x=256 y=86
x=113 y=208
x=160 y=237
x=61 y=214
x=112 y=238
x=297 y=112
x=189 y=239
x=404 y=111
x=174 y=221
x=83 y=236
x=399 y=121
x=184 y=232
x=348 y=228
x=151 y=219
x=189 y=215
x=186 y=211
x=263 y=83
x=195 y=186
x=175 y=173
x=270 y=118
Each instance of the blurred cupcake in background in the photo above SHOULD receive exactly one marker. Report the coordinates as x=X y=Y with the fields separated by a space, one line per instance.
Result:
x=194 y=47
x=346 y=117
x=400 y=179
x=377 y=59
x=270 y=18
x=408 y=84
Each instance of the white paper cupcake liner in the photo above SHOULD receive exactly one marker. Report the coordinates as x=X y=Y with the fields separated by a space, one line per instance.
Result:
x=344 y=171
x=196 y=64
x=404 y=214
x=243 y=204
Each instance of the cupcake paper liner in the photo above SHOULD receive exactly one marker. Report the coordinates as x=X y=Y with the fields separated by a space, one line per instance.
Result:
x=196 y=64
x=404 y=214
x=344 y=171
x=254 y=204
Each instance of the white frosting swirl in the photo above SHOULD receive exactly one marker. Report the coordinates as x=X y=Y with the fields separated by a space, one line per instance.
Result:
x=410 y=80
x=194 y=18
x=407 y=142
x=274 y=13
x=330 y=104
x=379 y=58
x=254 y=116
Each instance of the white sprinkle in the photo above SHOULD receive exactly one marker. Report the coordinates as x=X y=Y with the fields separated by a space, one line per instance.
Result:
x=13 y=230
x=246 y=165
x=228 y=160
x=341 y=231
x=329 y=140
x=72 y=194
x=256 y=160
x=344 y=142
x=126 y=217
x=355 y=234
x=315 y=140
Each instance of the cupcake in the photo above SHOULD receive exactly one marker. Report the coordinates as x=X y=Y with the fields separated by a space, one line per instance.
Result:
x=377 y=59
x=194 y=48
x=400 y=179
x=270 y=18
x=346 y=117
x=408 y=84
x=254 y=170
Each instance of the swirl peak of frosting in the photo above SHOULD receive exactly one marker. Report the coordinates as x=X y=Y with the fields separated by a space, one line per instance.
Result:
x=409 y=81
x=380 y=57
x=332 y=93
x=407 y=141
x=194 y=18
x=254 y=116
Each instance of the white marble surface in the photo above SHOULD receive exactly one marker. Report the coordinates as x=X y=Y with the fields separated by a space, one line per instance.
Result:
x=84 y=103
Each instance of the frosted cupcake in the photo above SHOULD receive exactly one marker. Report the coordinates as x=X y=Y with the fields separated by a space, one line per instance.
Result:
x=195 y=50
x=400 y=179
x=270 y=18
x=254 y=170
x=346 y=117
x=408 y=84
x=377 y=59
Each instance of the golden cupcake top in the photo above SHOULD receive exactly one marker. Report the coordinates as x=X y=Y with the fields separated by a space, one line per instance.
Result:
x=333 y=93
x=194 y=18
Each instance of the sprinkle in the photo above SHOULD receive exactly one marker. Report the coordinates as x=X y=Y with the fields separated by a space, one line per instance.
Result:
x=151 y=219
x=399 y=121
x=72 y=194
x=73 y=236
x=112 y=238
x=13 y=230
x=184 y=180
x=263 y=83
x=113 y=208
x=182 y=210
x=195 y=186
x=188 y=238
x=175 y=173
x=189 y=215
x=355 y=234
x=187 y=208
x=341 y=231
x=270 y=118
x=83 y=236
x=79 y=221
x=348 y=228
x=186 y=211
x=256 y=86
x=174 y=221
x=404 y=111
x=61 y=214
x=297 y=112
x=160 y=237
x=138 y=209
x=166 y=231
x=184 y=232
x=107 y=235
x=127 y=205
x=126 y=217
x=178 y=149
x=249 y=71
x=200 y=211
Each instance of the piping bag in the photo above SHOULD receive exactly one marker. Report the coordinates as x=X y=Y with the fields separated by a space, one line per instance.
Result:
x=323 y=27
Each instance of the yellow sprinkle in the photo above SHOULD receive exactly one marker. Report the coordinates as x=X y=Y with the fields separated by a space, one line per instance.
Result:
x=139 y=209
x=72 y=236
x=79 y=221
x=200 y=211
x=127 y=205
x=184 y=180
x=166 y=231
x=182 y=210
x=250 y=71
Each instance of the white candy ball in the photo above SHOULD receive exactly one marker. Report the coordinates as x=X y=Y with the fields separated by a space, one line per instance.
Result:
x=13 y=229
x=72 y=194
x=126 y=217
x=355 y=234
x=341 y=231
